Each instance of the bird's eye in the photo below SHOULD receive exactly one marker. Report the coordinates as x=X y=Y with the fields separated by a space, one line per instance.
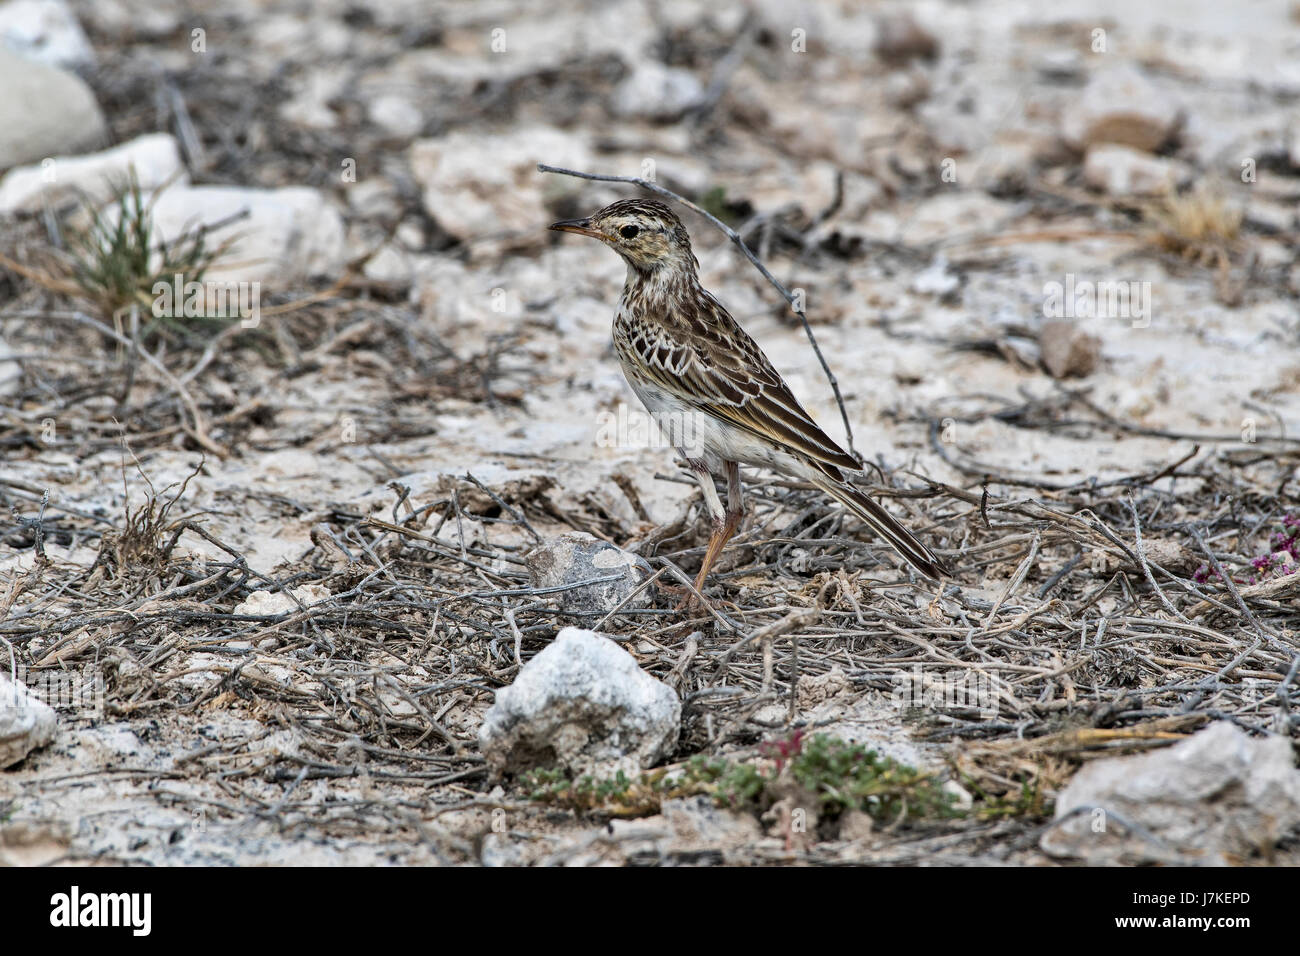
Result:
x=629 y=232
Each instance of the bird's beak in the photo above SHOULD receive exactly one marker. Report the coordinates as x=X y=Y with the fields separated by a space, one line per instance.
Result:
x=581 y=226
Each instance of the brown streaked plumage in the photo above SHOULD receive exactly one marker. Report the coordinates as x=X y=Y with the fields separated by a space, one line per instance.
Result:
x=710 y=385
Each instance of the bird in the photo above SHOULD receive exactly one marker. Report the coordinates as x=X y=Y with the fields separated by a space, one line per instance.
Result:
x=710 y=388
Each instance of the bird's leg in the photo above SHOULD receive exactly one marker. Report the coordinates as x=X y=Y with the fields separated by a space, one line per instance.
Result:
x=725 y=519
x=731 y=516
x=735 y=497
x=717 y=517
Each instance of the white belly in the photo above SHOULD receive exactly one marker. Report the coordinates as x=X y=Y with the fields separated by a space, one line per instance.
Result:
x=696 y=434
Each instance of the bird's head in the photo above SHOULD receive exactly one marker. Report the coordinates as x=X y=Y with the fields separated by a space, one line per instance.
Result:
x=644 y=232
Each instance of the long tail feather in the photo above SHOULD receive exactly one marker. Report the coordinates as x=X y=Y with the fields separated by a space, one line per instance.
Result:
x=885 y=525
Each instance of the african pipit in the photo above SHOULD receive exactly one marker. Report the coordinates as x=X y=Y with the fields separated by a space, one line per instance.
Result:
x=709 y=385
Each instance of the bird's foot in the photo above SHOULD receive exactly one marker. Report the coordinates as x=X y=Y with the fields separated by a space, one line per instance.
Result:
x=689 y=598
x=692 y=602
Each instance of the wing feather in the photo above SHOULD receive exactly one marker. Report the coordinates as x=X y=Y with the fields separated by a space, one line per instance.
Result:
x=710 y=363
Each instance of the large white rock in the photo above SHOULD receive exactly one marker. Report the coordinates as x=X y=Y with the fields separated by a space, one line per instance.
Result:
x=44 y=111
x=1120 y=105
x=46 y=31
x=155 y=158
x=1219 y=796
x=584 y=704
x=481 y=184
x=25 y=722
x=288 y=235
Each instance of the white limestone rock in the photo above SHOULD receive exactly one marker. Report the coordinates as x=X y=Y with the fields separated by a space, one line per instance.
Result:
x=585 y=705
x=26 y=723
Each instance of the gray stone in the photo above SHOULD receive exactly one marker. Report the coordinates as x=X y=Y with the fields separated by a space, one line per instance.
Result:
x=1125 y=171
x=1067 y=350
x=396 y=114
x=698 y=824
x=25 y=722
x=44 y=112
x=691 y=829
x=1063 y=63
x=498 y=849
x=577 y=556
x=585 y=705
x=140 y=19
x=1218 y=797
x=905 y=88
x=656 y=92
x=900 y=38
x=937 y=280
x=856 y=825
x=481 y=184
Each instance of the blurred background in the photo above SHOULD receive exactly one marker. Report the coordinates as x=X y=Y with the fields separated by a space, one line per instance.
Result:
x=925 y=173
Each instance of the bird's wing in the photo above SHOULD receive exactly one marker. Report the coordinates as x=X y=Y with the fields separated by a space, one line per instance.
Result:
x=710 y=363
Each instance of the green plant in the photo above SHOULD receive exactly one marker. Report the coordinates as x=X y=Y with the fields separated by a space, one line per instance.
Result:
x=849 y=776
x=731 y=784
x=714 y=202
x=842 y=776
x=545 y=785
x=119 y=257
x=617 y=794
x=1029 y=802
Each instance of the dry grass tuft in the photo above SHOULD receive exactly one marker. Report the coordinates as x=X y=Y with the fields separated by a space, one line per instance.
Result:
x=1201 y=225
